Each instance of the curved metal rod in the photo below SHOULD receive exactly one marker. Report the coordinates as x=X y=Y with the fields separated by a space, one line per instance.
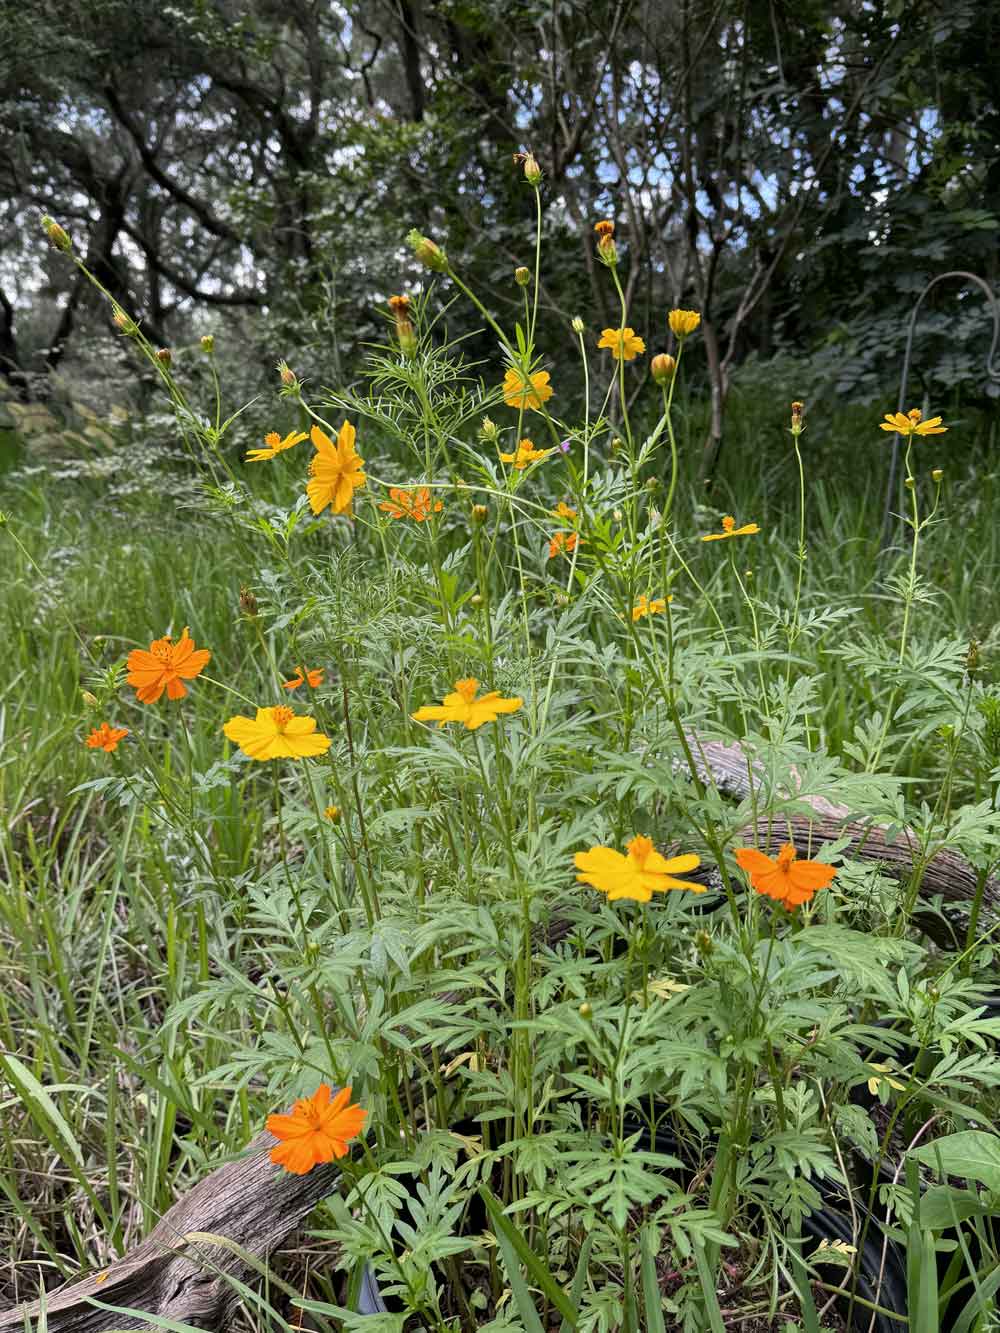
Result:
x=992 y=373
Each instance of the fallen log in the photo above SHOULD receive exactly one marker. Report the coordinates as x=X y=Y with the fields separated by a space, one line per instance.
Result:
x=177 y=1272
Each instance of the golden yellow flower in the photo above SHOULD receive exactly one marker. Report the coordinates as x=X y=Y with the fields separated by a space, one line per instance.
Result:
x=638 y=875
x=729 y=529
x=526 y=453
x=911 y=423
x=683 y=322
x=335 y=470
x=531 y=391
x=275 y=445
x=644 y=607
x=276 y=733
x=624 y=344
x=563 y=510
x=463 y=706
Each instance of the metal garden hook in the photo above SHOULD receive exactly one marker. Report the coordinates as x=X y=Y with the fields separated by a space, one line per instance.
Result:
x=992 y=373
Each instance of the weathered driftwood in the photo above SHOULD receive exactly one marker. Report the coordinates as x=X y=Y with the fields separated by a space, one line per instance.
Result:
x=250 y=1202
x=946 y=874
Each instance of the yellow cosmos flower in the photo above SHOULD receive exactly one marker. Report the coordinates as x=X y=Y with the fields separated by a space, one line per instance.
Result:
x=276 y=733
x=683 y=322
x=644 y=607
x=624 y=344
x=335 y=470
x=526 y=453
x=463 y=706
x=912 y=424
x=275 y=445
x=530 y=392
x=729 y=529
x=638 y=875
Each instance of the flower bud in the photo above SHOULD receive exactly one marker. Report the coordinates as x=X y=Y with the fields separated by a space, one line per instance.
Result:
x=607 y=252
x=400 y=306
x=615 y=445
x=972 y=657
x=426 y=251
x=488 y=431
x=797 y=427
x=662 y=368
x=58 y=236
x=652 y=485
x=522 y=276
x=479 y=513
x=207 y=343
x=532 y=171
x=89 y=699
x=288 y=377
x=937 y=475
x=164 y=356
x=248 y=602
x=585 y=1011
x=124 y=322
x=617 y=515
x=704 y=944
x=577 y=324
x=909 y=483
x=476 y=599
x=332 y=813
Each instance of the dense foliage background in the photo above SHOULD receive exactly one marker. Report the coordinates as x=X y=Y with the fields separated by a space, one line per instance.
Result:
x=796 y=171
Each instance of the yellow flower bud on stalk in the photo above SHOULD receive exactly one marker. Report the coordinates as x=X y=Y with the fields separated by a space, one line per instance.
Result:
x=207 y=344
x=522 y=276
x=662 y=368
x=426 y=251
x=165 y=357
x=937 y=476
x=607 y=252
x=577 y=324
x=58 y=236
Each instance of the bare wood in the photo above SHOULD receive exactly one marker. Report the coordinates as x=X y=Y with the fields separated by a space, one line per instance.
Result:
x=250 y=1201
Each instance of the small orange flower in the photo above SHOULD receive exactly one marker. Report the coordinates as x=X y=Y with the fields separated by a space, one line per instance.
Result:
x=624 y=344
x=314 y=677
x=106 y=737
x=335 y=470
x=729 y=529
x=526 y=453
x=410 y=504
x=463 y=706
x=275 y=445
x=636 y=876
x=784 y=878
x=563 y=510
x=911 y=423
x=530 y=392
x=315 y=1130
x=562 y=541
x=164 y=666
x=644 y=607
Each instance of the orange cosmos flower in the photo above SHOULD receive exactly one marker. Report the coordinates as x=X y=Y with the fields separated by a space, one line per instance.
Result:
x=683 y=322
x=315 y=1130
x=911 y=423
x=644 y=607
x=784 y=878
x=275 y=445
x=335 y=470
x=463 y=706
x=410 y=504
x=729 y=529
x=526 y=453
x=563 y=510
x=531 y=392
x=106 y=737
x=562 y=541
x=638 y=875
x=624 y=344
x=164 y=667
x=276 y=733
x=314 y=677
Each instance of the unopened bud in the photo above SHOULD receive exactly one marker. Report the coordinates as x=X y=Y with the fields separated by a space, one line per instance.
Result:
x=479 y=513
x=287 y=374
x=164 y=356
x=476 y=599
x=662 y=368
x=617 y=515
x=488 y=431
x=972 y=657
x=400 y=306
x=909 y=483
x=937 y=475
x=577 y=324
x=585 y=1011
x=124 y=322
x=532 y=171
x=522 y=276
x=616 y=444
x=797 y=427
x=89 y=699
x=704 y=944
x=207 y=343
x=248 y=602
x=426 y=251
x=652 y=485
x=561 y=599
x=58 y=236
